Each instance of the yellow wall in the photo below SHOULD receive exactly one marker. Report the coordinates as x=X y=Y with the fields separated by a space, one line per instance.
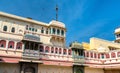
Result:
x=93 y=70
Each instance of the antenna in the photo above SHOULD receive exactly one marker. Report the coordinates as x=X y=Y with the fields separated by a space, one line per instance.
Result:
x=56 y=12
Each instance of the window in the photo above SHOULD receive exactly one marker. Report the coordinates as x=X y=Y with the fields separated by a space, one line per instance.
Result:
x=41 y=49
x=19 y=45
x=47 y=49
x=91 y=55
x=11 y=44
x=5 y=28
x=69 y=51
x=87 y=54
x=118 y=54
x=94 y=55
x=107 y=55
x=58 y=32
x=102 y=56
x=26 y=27
x=42 y=31
x=54 y=31
x=47 y=31
x=33 y=29
x=13 y=29
x=64 y=51
x=59 y=50
x=30 y=28
x=62 y=32
x=113 y=55
x=56 y=50
x=2 y=43
x=52 y=50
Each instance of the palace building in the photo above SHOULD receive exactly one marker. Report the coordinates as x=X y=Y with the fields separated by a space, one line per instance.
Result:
x=30 y=46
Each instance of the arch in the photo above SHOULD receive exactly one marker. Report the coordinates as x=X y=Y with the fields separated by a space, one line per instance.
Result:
x=113 y=55
x=2 y=43
x=118 y=54
x=19 y=45
x=79 y=71
x=56 y=50
x=107 y=55
x=11 y=44
x=69 y=51
x=5 y=28
x=54 y=30
x=13 y=29
x=87 y=54
x=47 y=49
x=41 y=48
x=52 y=49
x=64 y=51
x=91 y=54
x=58 y=32
x=95 y=55
x=29 y=70
x=62 y=32
x=60 y=50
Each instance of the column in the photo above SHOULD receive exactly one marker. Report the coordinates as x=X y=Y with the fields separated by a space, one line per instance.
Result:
x=15 y=44
x=7 y=44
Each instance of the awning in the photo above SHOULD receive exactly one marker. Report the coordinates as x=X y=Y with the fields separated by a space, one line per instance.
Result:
x=9 y=60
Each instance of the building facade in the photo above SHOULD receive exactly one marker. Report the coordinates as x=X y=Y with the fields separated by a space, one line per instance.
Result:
x=30 y=46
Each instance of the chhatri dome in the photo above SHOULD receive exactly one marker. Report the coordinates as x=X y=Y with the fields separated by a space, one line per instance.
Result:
x=57 y=23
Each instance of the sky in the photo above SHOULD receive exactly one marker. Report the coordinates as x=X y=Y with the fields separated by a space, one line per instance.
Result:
x=83 y=18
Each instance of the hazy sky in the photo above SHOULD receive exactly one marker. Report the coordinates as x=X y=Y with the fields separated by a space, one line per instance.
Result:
x=83 y=18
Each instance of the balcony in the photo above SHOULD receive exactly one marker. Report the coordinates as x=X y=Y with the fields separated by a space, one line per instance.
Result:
x=30 y=54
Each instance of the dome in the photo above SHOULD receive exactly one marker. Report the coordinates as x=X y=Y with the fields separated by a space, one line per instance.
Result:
x=117 y=30
x=101 y=49
x=57 y=23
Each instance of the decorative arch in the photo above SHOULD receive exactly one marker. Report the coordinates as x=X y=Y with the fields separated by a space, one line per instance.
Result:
x=64 y=51
x=47 y=49
x=19 y=45
x=52 y=49
x=56 y=50
x=60 y=50
x=41 y=48
x=29 y=70
x=118 y=54
x=113 y=55
x=2 y=43
x=69 y=51
x=11 y=44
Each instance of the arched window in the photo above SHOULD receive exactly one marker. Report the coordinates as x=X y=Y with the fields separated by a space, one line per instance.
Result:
x=102 y=56
x=13 y=29
x=56 y=50
x=99 y=55
x=69 y=51
x=52 y=49
x=54 y=30
x=5 y=28
x=41 y=48
x=113 y=55
x=42 y=30
x=87 y=54
x=94 y=55
x=107 y=55
x=26 y=27
x=118 y=54
x=91 y=55
x=64 y=51
x=11 y=44
x=19 y=45
x=2 y=43
x=58 y=31
x=60 y=50
x=47 y=31
x=62 y=32
x=47 y=49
